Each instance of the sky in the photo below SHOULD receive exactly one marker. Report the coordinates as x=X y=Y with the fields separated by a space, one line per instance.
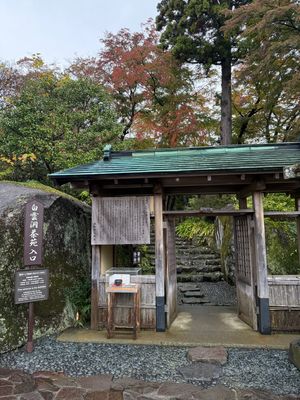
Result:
x=61 y=30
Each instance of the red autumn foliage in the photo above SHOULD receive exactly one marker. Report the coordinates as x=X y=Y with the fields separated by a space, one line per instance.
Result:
x=151 y=90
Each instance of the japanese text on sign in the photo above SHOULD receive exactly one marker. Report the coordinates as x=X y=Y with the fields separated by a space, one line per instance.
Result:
x=33 y=234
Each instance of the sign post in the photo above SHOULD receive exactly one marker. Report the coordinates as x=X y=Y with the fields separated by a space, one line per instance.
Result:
x=32 y=285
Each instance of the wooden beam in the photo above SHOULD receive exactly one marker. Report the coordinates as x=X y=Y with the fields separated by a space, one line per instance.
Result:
x=258 y=185
x=96 y=266
x=206 y=212
x=282 y=214
x=242 y=203
x=264 y=324
x=242 y=211
x=159 y=260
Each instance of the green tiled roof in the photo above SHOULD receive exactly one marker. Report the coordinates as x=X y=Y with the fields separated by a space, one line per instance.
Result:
x=242 y=158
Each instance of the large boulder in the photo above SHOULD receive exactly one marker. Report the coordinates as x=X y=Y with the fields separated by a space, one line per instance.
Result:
x=67 y=254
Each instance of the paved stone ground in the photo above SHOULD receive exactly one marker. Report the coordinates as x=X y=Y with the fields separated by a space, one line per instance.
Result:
x=43 y=385
x=94 y=371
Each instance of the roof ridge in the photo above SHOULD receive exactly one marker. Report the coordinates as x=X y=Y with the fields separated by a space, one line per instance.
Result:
x=127 y=153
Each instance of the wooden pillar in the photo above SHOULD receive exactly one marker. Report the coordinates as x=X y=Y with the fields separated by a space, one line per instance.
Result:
x=159 y=260
x=264 y=324
x=242 y=203
x=96 y=264
x=171 y=276
x=297 y=204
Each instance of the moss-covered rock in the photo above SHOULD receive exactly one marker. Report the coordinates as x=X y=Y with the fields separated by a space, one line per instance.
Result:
x=67 y=254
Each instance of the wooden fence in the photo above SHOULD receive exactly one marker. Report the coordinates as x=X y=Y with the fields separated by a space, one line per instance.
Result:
x=284 y=293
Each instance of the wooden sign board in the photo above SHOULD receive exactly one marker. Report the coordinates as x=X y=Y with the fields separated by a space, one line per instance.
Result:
x=33 y=233
x=31 y=285
x=120 y=220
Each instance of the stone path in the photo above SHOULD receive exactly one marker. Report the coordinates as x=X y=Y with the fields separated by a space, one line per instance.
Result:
x=43 y=385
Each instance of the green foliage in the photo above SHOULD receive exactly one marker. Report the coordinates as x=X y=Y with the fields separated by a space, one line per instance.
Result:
x=79 y=302
x=225 y=248
x=192 y=29
x=147 y=268
x=124 y=254
x=266 y=97
x=282 y=254
x=199 y=229
x=278 y=202
x=212 y=201
x=54 y=123
x=85 y=197
x=281 y=236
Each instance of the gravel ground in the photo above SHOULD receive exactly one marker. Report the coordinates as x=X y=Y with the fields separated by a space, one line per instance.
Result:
x=219 y=293
x=255 y=368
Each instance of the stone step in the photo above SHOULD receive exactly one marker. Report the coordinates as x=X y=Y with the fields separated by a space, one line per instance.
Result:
x=188 y=287
x=198 y=256
x=193 y=293
x=201 y=277
x=191 y=250
x=194 y=300
x=192 y=269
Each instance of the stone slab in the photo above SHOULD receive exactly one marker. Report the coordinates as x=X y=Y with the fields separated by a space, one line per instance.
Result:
x=194 y=300
x=203 y=372
x=294 y=353
x=45 y=384
x=6 y=390
x=134 y=385
x=70 y=393
x=219 y=392
x=46 y=395
x=95 y=382
x=97 y=395
x=215 y=355
x=178 y=390
x=189 y=288
x=193 y=293
x=31 y=396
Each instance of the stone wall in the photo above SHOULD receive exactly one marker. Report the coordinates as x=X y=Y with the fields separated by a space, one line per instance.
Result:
x=67 y=254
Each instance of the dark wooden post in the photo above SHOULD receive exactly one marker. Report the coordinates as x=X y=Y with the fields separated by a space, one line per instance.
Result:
x=96 y=264
x=29 y=345
x=264 y=324
x=242 y=203
x=297 y=204
x=171 y=282
x=159 y=260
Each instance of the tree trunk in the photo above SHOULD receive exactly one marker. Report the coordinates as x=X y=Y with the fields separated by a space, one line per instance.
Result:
x=226 y=112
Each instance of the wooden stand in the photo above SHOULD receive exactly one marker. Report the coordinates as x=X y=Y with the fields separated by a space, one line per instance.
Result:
x=112 y=292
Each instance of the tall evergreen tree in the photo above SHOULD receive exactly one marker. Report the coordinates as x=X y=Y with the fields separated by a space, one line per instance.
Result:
x=193 y=30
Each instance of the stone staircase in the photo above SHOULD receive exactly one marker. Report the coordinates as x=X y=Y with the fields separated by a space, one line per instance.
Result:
x=195 y=264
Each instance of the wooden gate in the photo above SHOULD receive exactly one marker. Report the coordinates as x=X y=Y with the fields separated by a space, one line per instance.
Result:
x=245 y=269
